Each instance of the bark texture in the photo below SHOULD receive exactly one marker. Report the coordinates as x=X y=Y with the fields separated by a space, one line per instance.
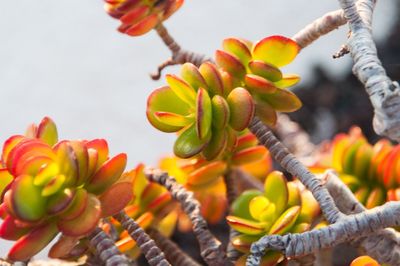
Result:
x=106 y=249
x=383 y=92
x=153 y=255
x=230 y=179
x=384 y=244
x=171 y=250
x=346 y=229
x=210 y=247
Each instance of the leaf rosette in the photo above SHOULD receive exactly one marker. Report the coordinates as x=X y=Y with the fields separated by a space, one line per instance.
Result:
x=138 y=17
x=200 y=107
x=283 y=207
x=49 y=186
x=256 y=67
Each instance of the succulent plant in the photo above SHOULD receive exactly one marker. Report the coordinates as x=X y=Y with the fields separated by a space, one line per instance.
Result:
x=256 y=68
x=284 y=207
x=202 y=109
x=137 y=17
x=151 y=206
x=49 y=187
x=370 y=171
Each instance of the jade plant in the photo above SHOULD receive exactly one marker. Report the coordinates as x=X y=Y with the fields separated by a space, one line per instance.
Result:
x=221 y=109
x=283 y=207
x=50 y=187
x=138 y=17
x=370 y=171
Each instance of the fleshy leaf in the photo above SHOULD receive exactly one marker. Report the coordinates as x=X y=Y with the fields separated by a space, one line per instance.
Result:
x=230 y=63
x=63 y=247
x=246 y=140
x=82 y=157
x=309 y=208
x=213 y=78
x=165 y=100
x=240 y=207
x=276 y=50
x=60 y=201
x=76 y=206
x=135 y=15
x=257 y=206
x=216 y=146
x=144 y=26
x=249 y=155
x=27 y=200
x=53 y=186
x=207 y=173
x=375 y=198
x=101 y=146
x=32 y=243
x=220 y=112
x=8 y=145
x=188 y=143
x=237 y=48
x=282 y=100
x=288 y=80
x=265 y=70
x=85 y=222
x=258 y=84
x=203 y=113
x=172 y=119
x=10 y=231
x=294 y=194
x=5 y=180
x=284 y=223
x=192 y=76
x=243 y=242
x=107 y=174
x=276 y=190
x=47 y=131
x=241 y=107
x=182 y=89
x=266 y=113
x=115 y=198
x=245 y=226
x=67 y=162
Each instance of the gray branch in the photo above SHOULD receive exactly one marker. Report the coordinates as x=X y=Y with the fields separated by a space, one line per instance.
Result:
x=346 y=229
x=383 y=92
x=210 y=247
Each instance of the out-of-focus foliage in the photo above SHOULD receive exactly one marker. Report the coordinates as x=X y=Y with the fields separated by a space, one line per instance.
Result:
x=49 y=186
x=283 y=207
x=364 y=261
x=138 y=17
x=372 y=172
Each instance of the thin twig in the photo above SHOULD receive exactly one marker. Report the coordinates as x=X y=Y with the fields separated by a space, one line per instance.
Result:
x=153 y=255
x=211 y=248
x=106 y=249
x=171 y=250
x=179 y=55
x=289 y=162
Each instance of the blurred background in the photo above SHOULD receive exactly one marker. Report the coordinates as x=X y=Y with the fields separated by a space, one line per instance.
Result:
x=65 y=59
